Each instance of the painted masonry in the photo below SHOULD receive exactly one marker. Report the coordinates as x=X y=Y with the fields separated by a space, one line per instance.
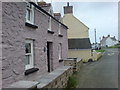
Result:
x=23 y=42
x=78 y=33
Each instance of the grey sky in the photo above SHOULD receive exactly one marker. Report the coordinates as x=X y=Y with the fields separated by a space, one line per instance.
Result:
x=100 y=15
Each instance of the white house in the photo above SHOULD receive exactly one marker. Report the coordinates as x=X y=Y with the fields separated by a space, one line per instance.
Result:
x=108 y=41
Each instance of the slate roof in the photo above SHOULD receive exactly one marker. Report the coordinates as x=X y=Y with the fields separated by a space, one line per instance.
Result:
x=81 y=43
x=38 y=7
x=105 y=38
x=45 y=6
x=113 y=38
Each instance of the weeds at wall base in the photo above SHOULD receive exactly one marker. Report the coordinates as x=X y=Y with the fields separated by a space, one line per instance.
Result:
x=72 y=82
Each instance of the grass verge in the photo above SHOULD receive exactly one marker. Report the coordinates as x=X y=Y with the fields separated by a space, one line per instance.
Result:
x=72 y=81
x=113 y=47
x=100 y=50
x=117 y=44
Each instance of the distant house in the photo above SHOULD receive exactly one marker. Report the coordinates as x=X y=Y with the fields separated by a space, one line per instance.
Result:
x=34 y=42
x=78 y=36
x=108 y=41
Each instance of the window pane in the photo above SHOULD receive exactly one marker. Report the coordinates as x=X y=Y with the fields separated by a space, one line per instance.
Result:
x=28 y=14
x=60 y=51
x=27 y=61
x=28 y=48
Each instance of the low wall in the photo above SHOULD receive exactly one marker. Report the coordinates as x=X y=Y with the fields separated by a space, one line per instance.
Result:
x=96 y=55
x=75 y=62
x=56 y=79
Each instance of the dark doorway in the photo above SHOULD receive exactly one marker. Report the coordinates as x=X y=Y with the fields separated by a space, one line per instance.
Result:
x=50 y=56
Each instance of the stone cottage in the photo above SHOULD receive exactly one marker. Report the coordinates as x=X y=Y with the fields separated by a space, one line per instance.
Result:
x=34 y=42
x=78 y=36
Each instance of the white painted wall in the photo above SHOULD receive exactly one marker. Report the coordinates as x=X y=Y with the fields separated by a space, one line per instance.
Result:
x=109 y=42
x=103 y=44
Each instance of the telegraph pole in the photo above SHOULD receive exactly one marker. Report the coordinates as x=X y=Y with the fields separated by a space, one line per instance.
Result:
x=95 y=38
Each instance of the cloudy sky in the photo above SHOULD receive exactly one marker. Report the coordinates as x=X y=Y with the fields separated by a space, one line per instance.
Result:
x=102 y=16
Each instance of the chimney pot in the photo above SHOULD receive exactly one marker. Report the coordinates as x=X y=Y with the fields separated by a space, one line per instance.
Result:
x=67 y=3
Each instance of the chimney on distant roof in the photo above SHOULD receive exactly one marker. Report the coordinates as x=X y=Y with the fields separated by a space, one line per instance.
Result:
x=68 y=9
x=103 y=36
x=57 y=16
x=41 y=3
x=108 y=35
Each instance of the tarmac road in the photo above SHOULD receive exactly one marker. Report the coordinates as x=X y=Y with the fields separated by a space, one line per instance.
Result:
x=102 y=73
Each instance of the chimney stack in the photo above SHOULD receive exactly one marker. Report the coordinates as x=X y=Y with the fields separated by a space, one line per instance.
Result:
x=42 y=3
x=57 y=16
x=108 y=35
x=68 y=9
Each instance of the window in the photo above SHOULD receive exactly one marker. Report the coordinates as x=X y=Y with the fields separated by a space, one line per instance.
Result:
x=30 y=13
x=59 y=30
x=29 y=54
x=49 y=21
x=60 y=51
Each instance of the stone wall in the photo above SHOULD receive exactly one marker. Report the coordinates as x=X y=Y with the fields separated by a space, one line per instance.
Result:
x=56 y=79
x=96 y=55
x=0 y=45
x=76 y=63
x=14 y=34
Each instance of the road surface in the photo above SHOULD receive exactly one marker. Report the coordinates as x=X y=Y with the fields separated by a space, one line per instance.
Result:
x=102 y=73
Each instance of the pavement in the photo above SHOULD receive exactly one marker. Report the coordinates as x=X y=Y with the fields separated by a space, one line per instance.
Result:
x=102 y=73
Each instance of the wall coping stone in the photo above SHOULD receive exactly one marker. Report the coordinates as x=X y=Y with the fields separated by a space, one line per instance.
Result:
x=24 y=84
x=70 y=59
x=45 y=80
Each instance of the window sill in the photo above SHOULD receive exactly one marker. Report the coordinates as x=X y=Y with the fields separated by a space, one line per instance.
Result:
x=60 y=35
x=32 y=70
x=61 y=60
x=31 y=25
x=50 y=32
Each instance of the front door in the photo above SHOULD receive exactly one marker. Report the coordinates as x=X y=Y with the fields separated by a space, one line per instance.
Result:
x=49 y=56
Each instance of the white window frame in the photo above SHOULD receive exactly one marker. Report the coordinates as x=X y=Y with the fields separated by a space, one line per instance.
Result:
x=60 y=51
x=49 y=21
x=31 y=65
x=59 y=30
x=31 y=8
